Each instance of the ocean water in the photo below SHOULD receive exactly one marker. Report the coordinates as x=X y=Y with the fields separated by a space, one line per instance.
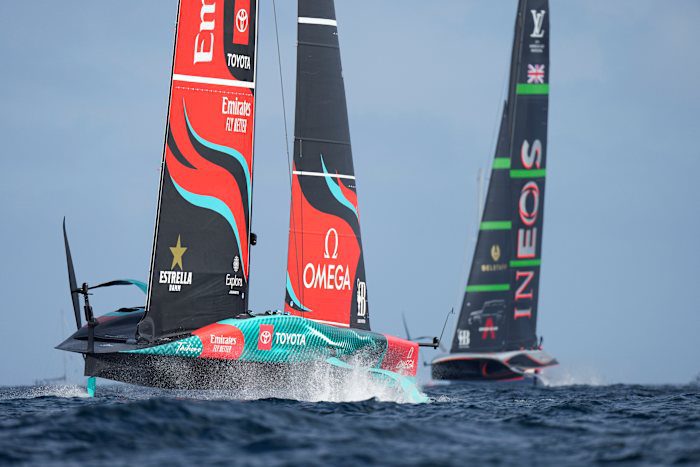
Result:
x=461 y=425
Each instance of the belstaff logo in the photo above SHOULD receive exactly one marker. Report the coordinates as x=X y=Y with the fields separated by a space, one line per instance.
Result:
x=241 y=22
x=176 y=279
x=265 y=336
x=538 y=20
x=495 y=252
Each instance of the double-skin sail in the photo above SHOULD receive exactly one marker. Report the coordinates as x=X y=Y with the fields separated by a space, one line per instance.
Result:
x=200 y=264
x=499 y=309
x=325 y=266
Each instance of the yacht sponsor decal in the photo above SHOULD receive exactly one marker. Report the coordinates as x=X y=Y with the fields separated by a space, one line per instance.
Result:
x=221 y=341
x=237 y=113
x=488 y=330
x=538 y=23
x=495 y=252
x=401 y=356
x=495 y=256
x=538 y=33
x=290 y=338
x=176 y=279
x=361 y=301
x=327 y=275
x=186 y=347
x=265 y=333
x=238 y=56
x=535 y=74
x=529 y=215
x=463 y=338
x=204 y=40
x=241 y=22
x=325 y=268
x=407 y=365
x=234 y=282
x=268 y=337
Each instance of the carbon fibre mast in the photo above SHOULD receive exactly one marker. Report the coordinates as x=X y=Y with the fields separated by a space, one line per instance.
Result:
x=495 y=336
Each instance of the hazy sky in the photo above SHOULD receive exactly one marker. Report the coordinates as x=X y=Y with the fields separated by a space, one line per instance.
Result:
x=84 y=99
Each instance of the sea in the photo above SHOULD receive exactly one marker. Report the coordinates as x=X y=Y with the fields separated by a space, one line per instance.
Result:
x=460 y=425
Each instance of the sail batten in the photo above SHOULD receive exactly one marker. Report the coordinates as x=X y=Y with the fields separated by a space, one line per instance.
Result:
x=499 y=309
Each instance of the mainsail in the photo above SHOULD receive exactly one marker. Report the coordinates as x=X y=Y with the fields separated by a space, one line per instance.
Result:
x=499 y=309
x=325 y=267
x=200 y=264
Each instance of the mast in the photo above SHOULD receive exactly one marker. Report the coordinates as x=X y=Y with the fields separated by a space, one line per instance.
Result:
x=200 y=263
x=499 y=309
x=325 y=267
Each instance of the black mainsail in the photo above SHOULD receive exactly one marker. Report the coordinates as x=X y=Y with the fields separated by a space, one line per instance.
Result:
x=499 y=309
x=325 y=268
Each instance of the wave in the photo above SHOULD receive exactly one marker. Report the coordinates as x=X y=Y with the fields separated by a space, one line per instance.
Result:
x=64 y=391
x=567 y=376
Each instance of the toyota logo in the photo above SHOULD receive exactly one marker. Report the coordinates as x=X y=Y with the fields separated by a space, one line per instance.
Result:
x=265 y=337
x=242 y=20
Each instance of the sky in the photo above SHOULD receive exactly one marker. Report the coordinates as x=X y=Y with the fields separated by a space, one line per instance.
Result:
x=84 y=100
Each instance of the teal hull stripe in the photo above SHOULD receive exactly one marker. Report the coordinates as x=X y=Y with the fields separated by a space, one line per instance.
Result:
x=321 y=341
x=322 y=344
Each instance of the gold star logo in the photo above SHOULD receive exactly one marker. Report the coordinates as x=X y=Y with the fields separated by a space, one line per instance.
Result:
x=177 y=251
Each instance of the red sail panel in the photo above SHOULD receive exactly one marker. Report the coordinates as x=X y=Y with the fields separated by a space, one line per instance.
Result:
x=199 y=271
x=324 y=254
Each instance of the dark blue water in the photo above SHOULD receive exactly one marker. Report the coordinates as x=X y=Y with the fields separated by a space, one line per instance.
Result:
x=474 y=425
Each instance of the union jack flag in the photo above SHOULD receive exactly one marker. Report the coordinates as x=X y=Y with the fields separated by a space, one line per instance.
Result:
x=535 y=74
